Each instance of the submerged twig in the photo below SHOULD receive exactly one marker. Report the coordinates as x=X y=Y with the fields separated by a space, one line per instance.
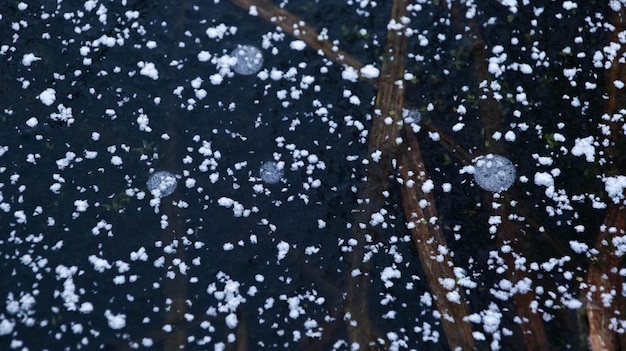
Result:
x=384 y=139
x=384 y=132
x=464 y=157
x=603 y=279
x=174 y=286
x=431 y=245
x=242 y=332
x=532 y=325
x=297 y=28
x=427 y=235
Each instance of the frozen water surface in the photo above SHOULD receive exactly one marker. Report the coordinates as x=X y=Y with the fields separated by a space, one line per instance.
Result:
x=96 y=95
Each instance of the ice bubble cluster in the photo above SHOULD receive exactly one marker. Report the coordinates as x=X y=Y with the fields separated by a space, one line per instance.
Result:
x=161 y=184
x=249 y=59
x=271 y=172
x=411 y=115
x=494 y=172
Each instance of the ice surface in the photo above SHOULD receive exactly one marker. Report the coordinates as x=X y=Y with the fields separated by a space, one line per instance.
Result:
x=97 y=92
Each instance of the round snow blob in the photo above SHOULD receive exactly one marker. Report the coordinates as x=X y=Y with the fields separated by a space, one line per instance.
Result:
x=494 y=172
x=249 y=59
x=271 y=172
x=161 y=184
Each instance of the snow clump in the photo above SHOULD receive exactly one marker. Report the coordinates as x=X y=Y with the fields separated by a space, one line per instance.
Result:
x=48 y=96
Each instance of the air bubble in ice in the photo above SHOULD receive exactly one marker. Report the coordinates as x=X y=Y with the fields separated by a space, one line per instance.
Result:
x=411 y=115
x=271 y=172
x=249 y=59
x=161 y=184
x=494 y=172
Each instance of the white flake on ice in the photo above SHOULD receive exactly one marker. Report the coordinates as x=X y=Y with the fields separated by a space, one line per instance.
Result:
x=369 y=71
x=148 y=69
x=283 y=248
x=28 y=59
x=47 y=97
x=297 y=45
x=115 y=321
x=389 y=273
x=585 y=146
x=615 y=186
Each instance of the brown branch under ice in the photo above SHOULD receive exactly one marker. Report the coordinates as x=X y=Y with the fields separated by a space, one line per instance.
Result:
x=431 y=245
x=175 y=288
x=603 y=280
x=603 y=275
x=384 y=136
x=428 y=238
x=531 y=325
x=388 y=107
x=299 y=29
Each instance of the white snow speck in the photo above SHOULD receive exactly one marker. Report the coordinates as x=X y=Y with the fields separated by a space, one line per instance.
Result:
x=350 y=74
x=283 y=248
x=525 y=68
x=511 y=4
x=569 y=5
x=99 y=264
x=116 y=160
x=6 y=327
x=458 y=127
x=321 y=224
x=216 y=79
x=428 y=186
x=86 y=307
x=369 y=71
x=27 y=59
x=81 y=205
x=253 y=11
x=225 y=202
x=615 y=186
x=585 y=147
x=454 y=297
x=389 y=273
x=578 y=247
x=219 y=31
x=116 y=321
x=509 y=136
x=148 y=69
x=204 y=56
x=544 y=178
x=48 y=96
x=64 y=115
x=297 y=45
x=32 y=122
x=231 y=321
